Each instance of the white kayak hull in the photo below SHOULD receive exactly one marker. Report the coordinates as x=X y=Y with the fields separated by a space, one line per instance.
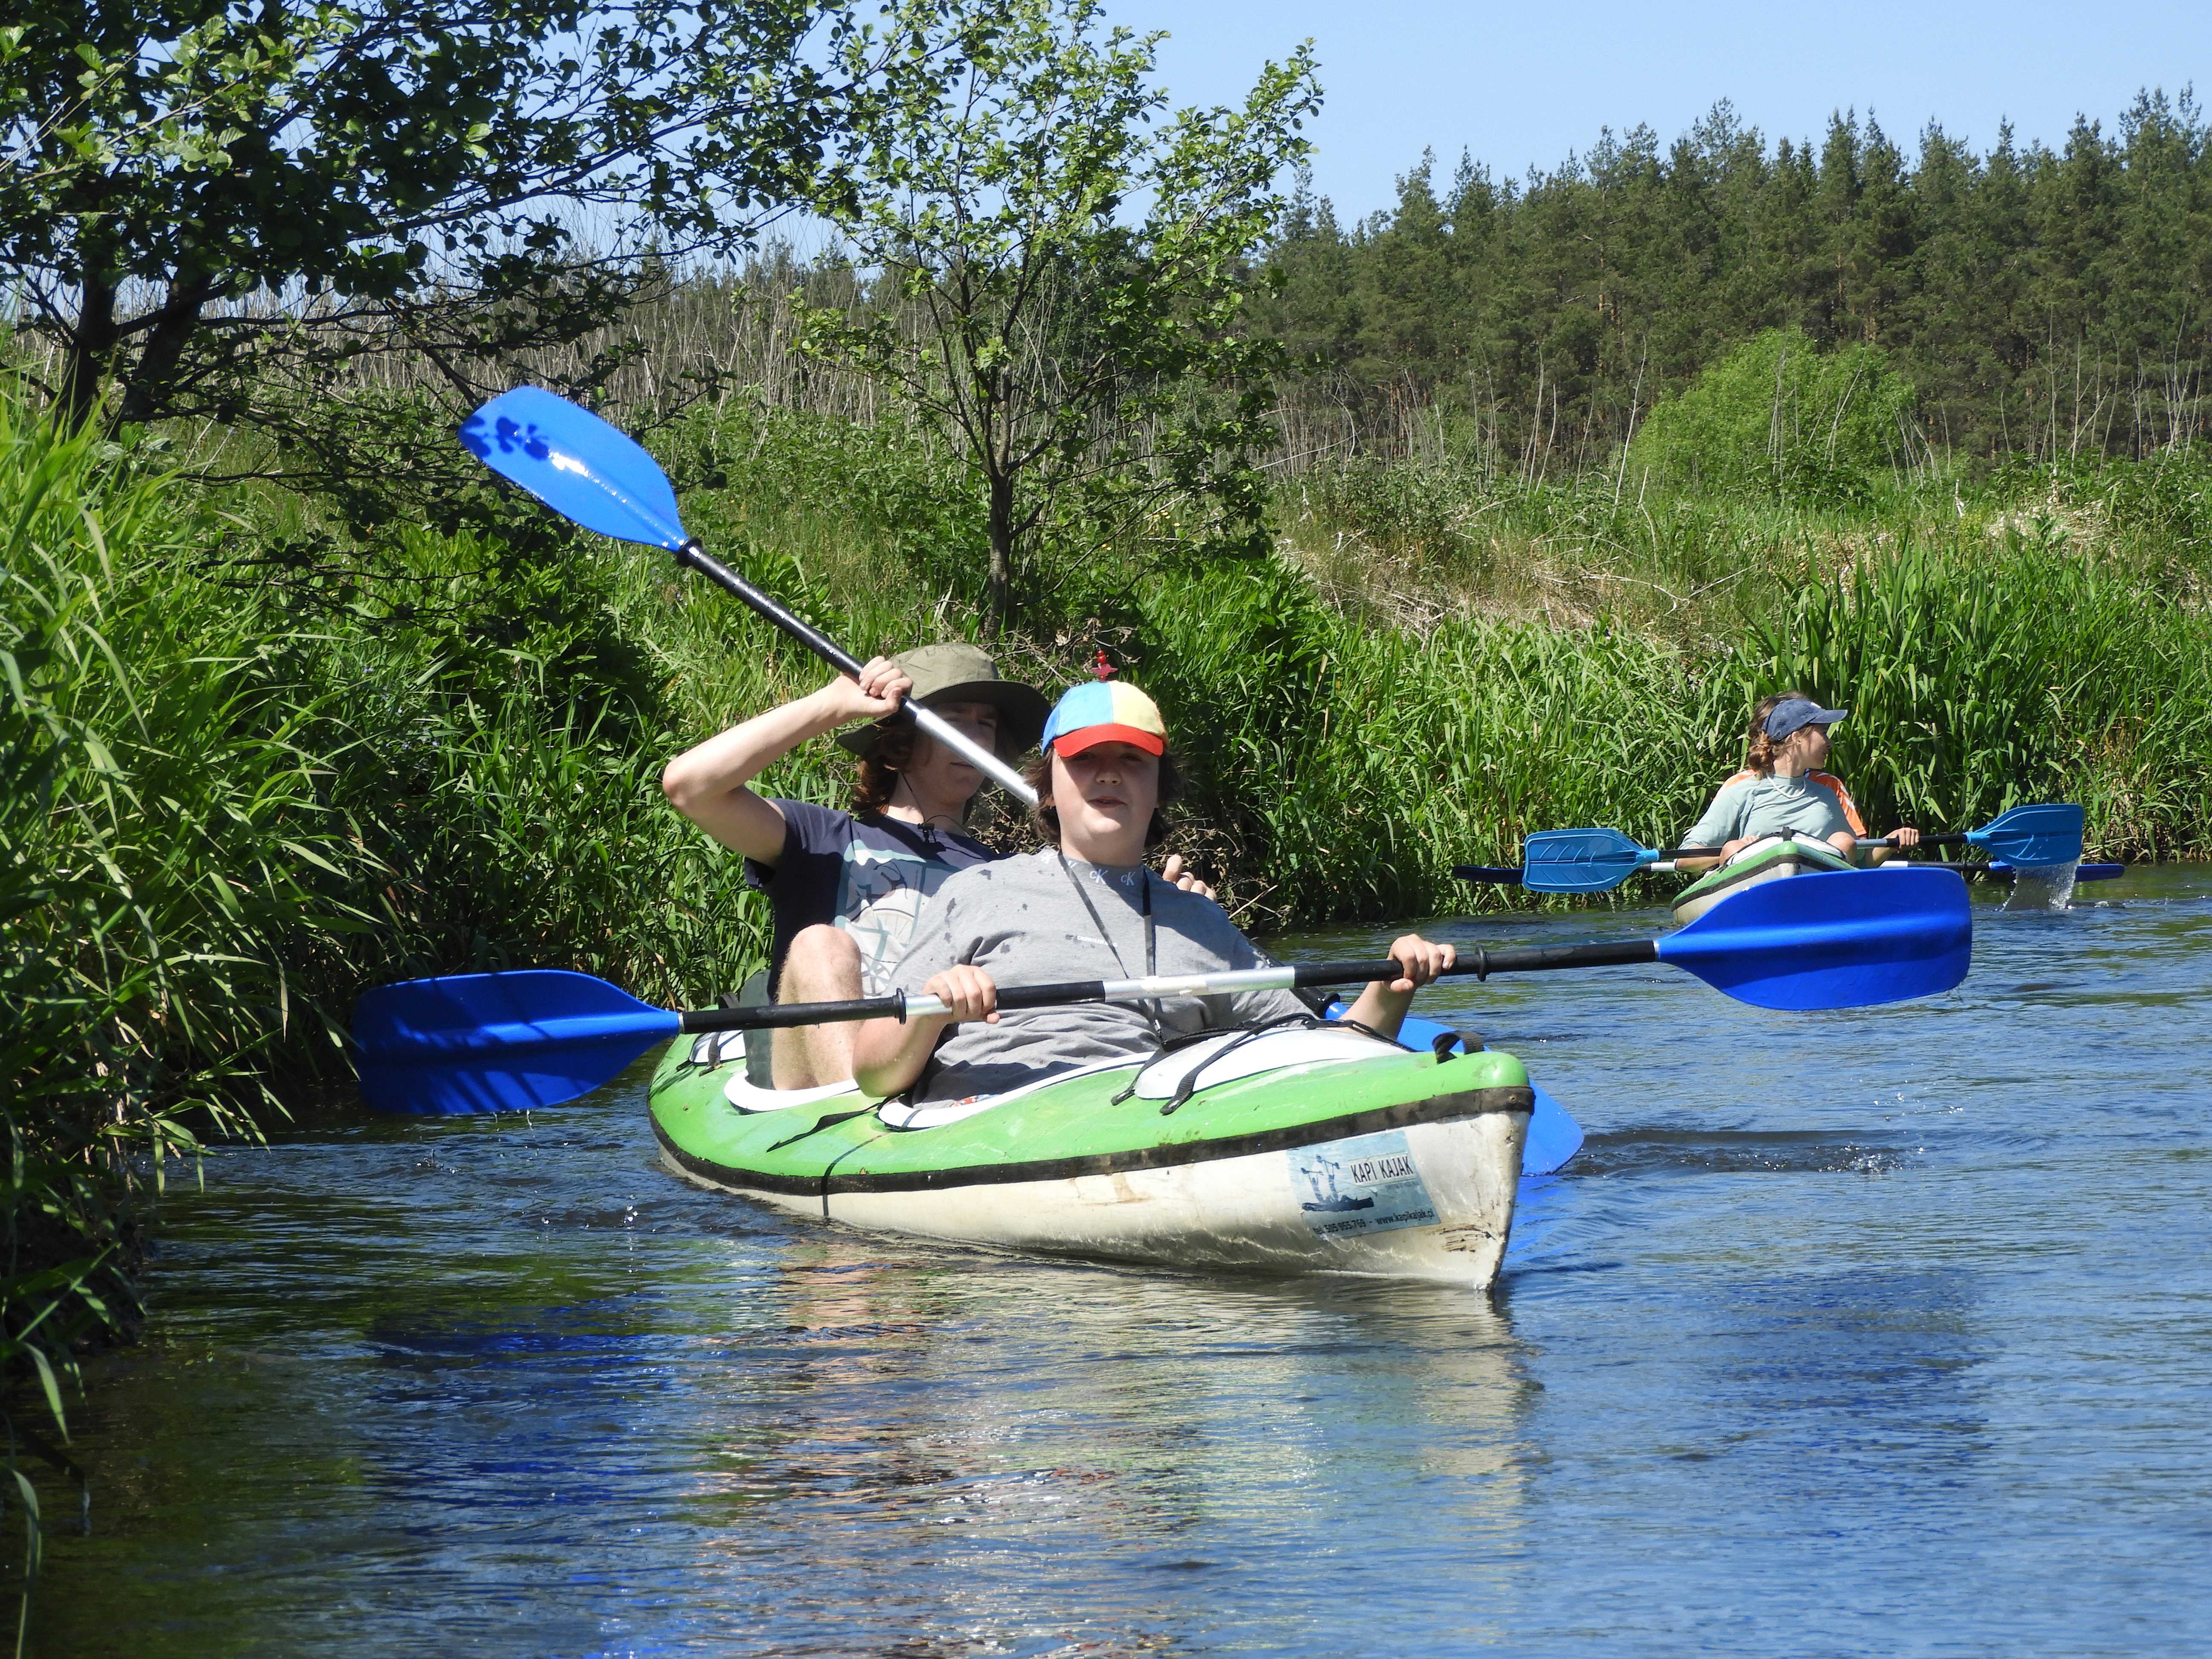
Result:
x=1774 y=858
x=1239 y=1214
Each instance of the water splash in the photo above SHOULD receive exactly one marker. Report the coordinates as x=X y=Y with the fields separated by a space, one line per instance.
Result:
x=2042 y=887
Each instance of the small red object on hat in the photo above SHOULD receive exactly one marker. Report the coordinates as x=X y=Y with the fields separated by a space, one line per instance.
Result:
x=1101 y=667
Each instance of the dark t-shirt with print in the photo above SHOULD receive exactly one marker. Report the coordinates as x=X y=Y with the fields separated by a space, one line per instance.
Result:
x=868 y=875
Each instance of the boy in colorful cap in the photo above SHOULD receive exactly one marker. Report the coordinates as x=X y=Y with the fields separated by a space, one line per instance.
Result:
x=1781 y=791
x=846 y=887
x=1084 y=908
x=1105 y=711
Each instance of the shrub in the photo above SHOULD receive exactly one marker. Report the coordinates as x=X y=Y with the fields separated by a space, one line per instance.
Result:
x=1778 y=418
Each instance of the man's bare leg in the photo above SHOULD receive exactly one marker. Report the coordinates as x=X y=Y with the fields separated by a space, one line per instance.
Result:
x=824 y=966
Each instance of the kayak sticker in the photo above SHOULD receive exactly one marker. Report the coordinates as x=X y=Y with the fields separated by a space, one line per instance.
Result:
x=1368 y=1184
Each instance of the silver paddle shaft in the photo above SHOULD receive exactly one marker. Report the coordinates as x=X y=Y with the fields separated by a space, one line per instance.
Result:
x=929 y=720
x=924 y=719
x=1228 y=983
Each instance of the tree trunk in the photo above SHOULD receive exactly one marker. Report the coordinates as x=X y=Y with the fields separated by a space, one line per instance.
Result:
x=91 y=344
x=998 y=608
x=164 y=346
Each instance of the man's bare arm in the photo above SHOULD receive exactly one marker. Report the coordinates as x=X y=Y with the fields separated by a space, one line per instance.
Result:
x=707 y=783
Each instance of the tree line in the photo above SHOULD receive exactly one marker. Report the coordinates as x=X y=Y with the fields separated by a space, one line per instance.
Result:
x=2047 y=302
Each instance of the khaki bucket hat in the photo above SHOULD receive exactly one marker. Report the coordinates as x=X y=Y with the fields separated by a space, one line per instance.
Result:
x=958 y=672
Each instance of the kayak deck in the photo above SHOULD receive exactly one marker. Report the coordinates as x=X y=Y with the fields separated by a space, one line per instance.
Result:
x=1769 y=859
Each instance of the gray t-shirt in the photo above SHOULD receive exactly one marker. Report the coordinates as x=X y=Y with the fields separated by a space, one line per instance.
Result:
x=1813 y=807
x=1024 y=921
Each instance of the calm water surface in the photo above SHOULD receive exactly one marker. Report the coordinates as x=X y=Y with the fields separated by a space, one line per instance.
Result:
x=1888 y=1331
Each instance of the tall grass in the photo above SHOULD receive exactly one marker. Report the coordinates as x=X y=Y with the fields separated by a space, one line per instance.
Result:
x=1356 y=764
x=1978 y=682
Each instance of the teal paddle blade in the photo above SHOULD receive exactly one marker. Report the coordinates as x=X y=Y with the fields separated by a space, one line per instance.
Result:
x=1580 y=860
x=2033 y=835
x=1849 y=939
x=577 y=464
x=498 y=1042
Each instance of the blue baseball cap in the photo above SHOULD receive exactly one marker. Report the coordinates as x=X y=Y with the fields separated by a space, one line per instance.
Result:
x=1794 y=714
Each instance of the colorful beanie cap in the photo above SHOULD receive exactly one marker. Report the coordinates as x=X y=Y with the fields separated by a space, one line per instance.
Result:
x=1105 y=711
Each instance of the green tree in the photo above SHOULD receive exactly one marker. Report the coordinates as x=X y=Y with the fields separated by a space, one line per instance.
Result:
x=1777 y=416
x=195 y=189
x=2053 y=302
x=1061 y=267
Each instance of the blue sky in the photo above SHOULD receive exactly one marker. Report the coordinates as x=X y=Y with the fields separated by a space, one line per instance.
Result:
x=1520 y=85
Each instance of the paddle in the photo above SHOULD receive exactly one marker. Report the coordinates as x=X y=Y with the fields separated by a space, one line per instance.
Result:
x=587 y=471
x=491 y=1041
x=2026 y=834
x=1997 y=869
x=1598 y=860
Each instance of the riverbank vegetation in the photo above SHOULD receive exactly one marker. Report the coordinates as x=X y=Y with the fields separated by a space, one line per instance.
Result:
x=1427 y=534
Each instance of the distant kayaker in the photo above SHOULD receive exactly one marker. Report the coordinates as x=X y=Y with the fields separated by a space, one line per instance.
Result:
x=1084 y=908
x=1782 y=790
x=846 y=887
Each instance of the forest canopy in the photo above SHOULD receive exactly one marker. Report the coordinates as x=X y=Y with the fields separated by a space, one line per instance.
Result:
x=2042 y=302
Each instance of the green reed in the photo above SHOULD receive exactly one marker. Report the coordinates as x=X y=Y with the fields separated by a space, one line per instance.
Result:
x=174 y=880
x=2037 y=634
x=1984 y=681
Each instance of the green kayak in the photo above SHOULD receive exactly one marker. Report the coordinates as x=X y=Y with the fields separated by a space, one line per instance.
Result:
x=1292 y=1152
x=1769 y=859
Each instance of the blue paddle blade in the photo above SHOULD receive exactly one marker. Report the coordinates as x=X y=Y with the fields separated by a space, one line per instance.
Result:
x=1553 y=1137
x=2033 y=835
x=498 y=1042
x=1580 y=860
x=1849 y=939
x=577 y=464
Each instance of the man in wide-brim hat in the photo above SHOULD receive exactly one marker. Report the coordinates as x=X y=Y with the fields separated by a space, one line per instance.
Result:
x=845 y=886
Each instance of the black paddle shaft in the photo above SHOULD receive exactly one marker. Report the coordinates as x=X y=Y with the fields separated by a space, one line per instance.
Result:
x=1525 y=959
x=892 y=1006
x=1482 y=964
x=812 y=638
x=1954 y=838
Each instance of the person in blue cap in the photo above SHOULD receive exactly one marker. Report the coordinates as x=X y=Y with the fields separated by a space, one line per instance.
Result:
x=1782 y=791
x=1083 y=908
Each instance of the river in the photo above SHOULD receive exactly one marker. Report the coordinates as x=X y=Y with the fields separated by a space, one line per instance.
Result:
x=1882 y=1331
